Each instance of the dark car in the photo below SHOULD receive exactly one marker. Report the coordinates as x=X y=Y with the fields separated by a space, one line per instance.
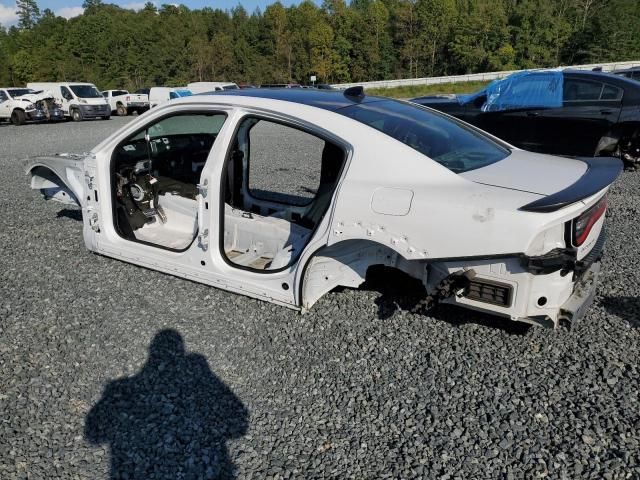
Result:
x=570 y=112
x=143 y=91
x=632 y=73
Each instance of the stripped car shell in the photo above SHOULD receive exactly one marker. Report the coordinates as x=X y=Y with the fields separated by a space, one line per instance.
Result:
x=497 y=238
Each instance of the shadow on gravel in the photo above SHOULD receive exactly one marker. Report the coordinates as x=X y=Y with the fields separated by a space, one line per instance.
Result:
x=171 y=420
x=627 y=308
x=399 y=291
x=70 y=213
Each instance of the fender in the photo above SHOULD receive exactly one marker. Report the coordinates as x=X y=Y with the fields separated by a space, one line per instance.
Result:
x=346 y=264
x=59 y=178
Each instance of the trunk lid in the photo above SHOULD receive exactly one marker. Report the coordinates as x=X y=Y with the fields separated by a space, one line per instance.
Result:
x=560 y=181
x=530 y=172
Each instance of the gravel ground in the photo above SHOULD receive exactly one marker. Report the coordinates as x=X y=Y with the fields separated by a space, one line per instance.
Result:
x=108 y=370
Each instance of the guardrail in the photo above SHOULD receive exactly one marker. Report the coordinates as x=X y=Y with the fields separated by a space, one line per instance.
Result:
x=606 y=67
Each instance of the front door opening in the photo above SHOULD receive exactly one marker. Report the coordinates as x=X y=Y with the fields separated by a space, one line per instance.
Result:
x=155 y=176
x=277 y=186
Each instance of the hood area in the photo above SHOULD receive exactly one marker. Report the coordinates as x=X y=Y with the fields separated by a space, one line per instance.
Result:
x=36 y=97
x=530 y=172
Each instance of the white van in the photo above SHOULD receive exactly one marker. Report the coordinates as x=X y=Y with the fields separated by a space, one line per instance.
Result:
x=78 y=100
x=204 y=87
x=158 y=95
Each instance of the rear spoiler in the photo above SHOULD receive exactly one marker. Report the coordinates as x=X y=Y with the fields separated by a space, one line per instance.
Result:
x=601 y=172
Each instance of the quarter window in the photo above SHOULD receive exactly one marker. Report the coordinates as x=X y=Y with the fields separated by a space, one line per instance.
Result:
x=581 y=90
x=610 y=92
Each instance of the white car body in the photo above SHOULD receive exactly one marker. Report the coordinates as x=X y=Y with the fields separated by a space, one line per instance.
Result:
x=18 y=107
x=122 y=102
x=160 y=95
x=78 y=100
x=493 y=239
x=206 y=87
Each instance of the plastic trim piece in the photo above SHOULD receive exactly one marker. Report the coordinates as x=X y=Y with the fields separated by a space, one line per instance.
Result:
x=601 y=172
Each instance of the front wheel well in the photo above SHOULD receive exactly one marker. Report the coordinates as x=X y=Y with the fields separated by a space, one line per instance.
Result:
x=51 y=185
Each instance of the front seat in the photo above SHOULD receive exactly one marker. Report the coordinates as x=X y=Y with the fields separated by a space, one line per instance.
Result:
x=332 y=161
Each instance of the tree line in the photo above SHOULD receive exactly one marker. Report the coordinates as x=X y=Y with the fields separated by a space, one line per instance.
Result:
x=336 y=41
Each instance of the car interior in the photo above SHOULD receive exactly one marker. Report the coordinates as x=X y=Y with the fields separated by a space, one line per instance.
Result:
x=267 y=228
x=155 y=180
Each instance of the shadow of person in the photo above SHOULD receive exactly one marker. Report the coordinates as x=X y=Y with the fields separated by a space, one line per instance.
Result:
x=171 y=420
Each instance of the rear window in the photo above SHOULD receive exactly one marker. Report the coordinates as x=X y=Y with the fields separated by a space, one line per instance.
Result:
x=445 y=140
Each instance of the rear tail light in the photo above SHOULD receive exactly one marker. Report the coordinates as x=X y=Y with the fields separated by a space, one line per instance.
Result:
x=128 y=99
x=584 y=223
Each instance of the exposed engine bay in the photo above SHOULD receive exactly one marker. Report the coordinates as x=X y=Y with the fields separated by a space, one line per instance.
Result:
x=44 y=105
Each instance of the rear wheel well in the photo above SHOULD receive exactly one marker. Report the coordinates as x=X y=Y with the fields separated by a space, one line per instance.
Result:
x=352 y=263
x=608 y=144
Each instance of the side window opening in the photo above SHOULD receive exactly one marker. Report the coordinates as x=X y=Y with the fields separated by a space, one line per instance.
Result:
x=278 y=184
x=155 y=176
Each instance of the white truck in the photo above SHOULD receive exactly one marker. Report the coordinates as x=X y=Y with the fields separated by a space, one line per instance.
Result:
x=79 y=101
x=123 y=103
x=20 y=105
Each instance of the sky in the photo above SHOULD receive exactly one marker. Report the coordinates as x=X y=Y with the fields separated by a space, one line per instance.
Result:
x=71 y=8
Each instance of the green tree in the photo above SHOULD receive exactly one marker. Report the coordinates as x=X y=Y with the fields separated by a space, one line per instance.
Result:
x=28 y=13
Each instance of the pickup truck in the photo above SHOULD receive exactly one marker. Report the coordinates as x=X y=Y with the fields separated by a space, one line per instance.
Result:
x=20 y=105
x=124 y=103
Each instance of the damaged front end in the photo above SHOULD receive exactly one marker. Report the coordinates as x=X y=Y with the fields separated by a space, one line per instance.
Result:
x=41 y=107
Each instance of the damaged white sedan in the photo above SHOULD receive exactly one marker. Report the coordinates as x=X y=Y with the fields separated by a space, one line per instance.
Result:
x=284 y=195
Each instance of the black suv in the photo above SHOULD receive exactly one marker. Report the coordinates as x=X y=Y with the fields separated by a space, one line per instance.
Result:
x=570 y=112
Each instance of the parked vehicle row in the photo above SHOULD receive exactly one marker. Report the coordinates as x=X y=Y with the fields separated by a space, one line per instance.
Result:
x=81 y=101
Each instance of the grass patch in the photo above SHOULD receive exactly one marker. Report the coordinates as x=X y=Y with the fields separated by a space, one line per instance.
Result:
x=411 y=91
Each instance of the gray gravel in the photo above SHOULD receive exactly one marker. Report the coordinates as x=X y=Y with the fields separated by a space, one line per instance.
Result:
x=108 y=370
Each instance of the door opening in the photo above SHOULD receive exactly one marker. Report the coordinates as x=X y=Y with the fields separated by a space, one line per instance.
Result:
x=155 y=174
x=277 y=185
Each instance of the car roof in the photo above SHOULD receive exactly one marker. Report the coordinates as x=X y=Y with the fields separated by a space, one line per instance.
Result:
x=325 y=99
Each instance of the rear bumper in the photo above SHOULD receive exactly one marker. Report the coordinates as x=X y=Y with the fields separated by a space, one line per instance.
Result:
x=545 y=290
x=137 y=105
